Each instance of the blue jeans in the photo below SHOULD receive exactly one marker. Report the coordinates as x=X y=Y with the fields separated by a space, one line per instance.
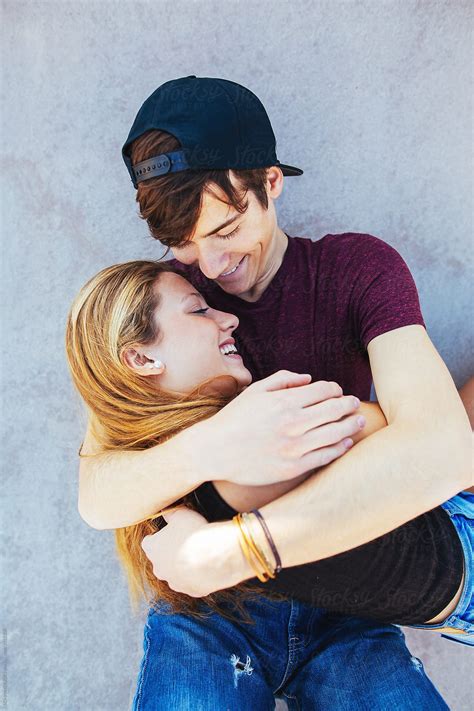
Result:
x=310 y=657
x=459 y=626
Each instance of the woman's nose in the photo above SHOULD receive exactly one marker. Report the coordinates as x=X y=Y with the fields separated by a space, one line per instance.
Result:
x=227 y=321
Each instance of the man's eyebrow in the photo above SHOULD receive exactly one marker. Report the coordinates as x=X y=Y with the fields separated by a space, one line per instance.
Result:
x=191 y=293
x=224 y=224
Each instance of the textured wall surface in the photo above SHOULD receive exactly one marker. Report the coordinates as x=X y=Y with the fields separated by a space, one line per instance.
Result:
x=371 y=99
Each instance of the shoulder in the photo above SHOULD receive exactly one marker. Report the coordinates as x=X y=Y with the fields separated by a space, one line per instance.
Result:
x=361 y=253
x=355 y=243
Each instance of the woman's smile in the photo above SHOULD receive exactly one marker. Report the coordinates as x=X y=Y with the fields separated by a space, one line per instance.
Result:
x=194 y=340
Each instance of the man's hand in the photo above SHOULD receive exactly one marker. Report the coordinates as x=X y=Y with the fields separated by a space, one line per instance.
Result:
x=189 y=555
x=275 y=430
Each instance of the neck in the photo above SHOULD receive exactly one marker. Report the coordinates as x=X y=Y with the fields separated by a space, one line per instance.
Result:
x=275 y=256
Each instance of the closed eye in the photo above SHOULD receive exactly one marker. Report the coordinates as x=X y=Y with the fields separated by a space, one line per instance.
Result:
x=201 y=311
x=231 y=234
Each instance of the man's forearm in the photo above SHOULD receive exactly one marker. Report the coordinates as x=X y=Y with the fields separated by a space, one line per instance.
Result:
x=467 y=396
x=120 y=489
x=386 y=480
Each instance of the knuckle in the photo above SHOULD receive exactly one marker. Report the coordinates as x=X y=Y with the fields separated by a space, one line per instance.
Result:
x=326 y=456
x=332 y=429
x=338 y=407
x=298 y=424
x=325 y=389
x=281 y=401
x=290 y=470
x=353 y=423
x=336 y=388
x=290 y=452
x=349 y=399
x=285 y=448
x=285 y=417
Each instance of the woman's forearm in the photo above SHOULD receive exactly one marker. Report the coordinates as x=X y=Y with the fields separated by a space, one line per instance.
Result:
x=121 y=488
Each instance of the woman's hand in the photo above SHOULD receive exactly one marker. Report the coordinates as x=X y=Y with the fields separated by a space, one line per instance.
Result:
x=196 y=557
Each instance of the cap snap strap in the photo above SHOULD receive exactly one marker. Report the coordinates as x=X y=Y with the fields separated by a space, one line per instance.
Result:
x=159 y=165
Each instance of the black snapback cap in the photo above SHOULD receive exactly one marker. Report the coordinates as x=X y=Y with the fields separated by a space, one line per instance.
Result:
x=219 y=123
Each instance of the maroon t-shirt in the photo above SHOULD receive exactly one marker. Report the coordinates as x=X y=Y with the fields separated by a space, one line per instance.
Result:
x=327 y=300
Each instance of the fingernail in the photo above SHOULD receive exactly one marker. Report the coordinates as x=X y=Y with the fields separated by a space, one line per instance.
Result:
x=361 y=421
x=356 y=402
x=347 y=443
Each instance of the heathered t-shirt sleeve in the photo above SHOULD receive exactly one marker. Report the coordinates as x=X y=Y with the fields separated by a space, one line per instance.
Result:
x=384 y=294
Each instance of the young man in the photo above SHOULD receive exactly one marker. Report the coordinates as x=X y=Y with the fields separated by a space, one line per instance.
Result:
x=343 y=309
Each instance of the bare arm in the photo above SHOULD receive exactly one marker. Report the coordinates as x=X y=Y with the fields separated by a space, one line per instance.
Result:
x=419 y=460
x=422 y=458
x=375 y=420
x=121 y=488
x=467 y=397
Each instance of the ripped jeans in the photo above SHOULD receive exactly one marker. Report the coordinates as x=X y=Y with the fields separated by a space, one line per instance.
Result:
x=306 y=655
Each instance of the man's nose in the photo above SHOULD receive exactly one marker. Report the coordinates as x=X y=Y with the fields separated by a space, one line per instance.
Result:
x=211 y=262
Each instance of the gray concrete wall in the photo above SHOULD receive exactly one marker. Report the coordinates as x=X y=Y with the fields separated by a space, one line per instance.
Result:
x=371 y=98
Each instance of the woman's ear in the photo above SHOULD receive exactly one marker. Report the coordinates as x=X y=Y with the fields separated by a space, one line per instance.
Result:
x=141 y=363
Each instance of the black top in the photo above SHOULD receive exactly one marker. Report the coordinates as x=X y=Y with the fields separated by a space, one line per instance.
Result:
x=406 y=576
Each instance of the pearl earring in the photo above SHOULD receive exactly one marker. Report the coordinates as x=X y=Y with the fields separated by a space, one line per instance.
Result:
x=155 y=364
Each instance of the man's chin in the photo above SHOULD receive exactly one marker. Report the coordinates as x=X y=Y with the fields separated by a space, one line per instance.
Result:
x=234 y=289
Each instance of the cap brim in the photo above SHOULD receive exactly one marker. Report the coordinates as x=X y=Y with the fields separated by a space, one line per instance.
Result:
x=289 y=169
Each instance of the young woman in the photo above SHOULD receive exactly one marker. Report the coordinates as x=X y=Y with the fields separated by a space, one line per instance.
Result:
x=146 y=354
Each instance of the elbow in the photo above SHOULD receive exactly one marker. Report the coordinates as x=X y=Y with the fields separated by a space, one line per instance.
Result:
x=441 y=455
x=89 y=518
x=466 y=462
x=87 y=511
x=455 y=450
x=461 y=448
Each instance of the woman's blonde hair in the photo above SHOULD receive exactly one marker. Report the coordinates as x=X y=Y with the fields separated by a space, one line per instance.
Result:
x=114 y=311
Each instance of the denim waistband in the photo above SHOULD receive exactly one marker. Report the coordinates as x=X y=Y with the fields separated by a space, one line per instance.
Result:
x=459 y=625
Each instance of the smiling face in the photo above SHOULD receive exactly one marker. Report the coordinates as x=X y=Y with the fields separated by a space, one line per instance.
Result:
x=190 y=340
x=241 y=252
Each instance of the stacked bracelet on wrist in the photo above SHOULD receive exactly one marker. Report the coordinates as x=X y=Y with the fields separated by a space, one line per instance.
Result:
x=250 y=546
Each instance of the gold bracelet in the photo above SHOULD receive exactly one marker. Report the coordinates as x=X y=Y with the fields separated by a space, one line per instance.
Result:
x=247 y=517
x=246 y=552
x=255 y=547
x=251 y=546
x=246 y=549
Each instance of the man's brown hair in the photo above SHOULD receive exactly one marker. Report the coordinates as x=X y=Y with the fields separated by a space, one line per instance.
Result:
x=171 y=203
